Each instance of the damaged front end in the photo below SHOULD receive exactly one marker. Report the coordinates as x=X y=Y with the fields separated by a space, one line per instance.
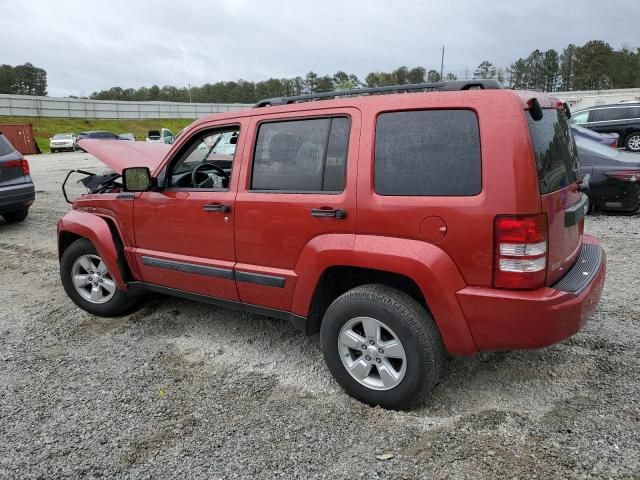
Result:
x=94 y=183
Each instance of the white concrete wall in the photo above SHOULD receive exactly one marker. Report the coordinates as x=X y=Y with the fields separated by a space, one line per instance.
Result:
x=32 y=106
x=584 y=99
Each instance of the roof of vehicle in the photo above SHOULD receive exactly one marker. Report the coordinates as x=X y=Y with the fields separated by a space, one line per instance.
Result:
x=609 y=105
x=93 y=131
x=385 y=98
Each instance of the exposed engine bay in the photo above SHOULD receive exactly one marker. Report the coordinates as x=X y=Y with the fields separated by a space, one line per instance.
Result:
x=103 y=183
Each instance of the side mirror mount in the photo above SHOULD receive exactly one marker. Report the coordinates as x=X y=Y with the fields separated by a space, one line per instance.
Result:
x=137 y=179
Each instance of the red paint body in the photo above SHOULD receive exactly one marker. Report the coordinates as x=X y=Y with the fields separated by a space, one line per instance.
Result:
x=443 y=244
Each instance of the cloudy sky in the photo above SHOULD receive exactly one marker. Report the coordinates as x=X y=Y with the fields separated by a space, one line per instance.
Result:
x=86 y=46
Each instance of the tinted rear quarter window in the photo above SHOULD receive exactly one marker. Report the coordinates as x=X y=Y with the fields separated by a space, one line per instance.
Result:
x=5 y=146
x=428 y=153
x=555 y=150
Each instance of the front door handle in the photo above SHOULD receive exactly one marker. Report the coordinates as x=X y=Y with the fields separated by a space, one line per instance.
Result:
x=326 y=213
x=217 y=207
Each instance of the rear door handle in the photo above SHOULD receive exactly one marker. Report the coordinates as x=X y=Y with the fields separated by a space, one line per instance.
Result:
x=326 y=213
x=217 y=207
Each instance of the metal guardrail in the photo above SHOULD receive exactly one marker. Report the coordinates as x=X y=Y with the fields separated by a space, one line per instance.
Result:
x=32 y=106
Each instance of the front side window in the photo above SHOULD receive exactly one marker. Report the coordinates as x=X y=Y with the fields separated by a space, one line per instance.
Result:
x=206 y=161
x=301 y=155
x=428 y=153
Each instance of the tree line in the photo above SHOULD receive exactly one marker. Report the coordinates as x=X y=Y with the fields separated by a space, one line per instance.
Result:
x=592 y=66
x=23 y=80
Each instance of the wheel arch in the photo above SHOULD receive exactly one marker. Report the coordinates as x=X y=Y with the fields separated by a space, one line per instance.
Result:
x=420 y=269
x=104 y=236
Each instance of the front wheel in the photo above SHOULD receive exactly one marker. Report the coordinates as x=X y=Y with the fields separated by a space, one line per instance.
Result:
x=89 y=283
x=382 y=346
x=633 y=142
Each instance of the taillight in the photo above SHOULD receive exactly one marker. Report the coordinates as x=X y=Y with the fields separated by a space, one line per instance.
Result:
x=624 y=175
x=520 y=259
x=18 y=164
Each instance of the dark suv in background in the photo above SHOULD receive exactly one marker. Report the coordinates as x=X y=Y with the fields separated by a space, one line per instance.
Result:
x=17 y=192
x=622 y=118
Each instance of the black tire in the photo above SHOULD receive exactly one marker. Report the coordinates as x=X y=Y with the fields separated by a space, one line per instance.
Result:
x=631 y=142
x=413 y=326
x=117 y=305
x=53 y=150
x=16 y=216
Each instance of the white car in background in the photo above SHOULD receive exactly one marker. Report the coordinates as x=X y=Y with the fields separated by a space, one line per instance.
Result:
x=164 y=135
x=62 y=141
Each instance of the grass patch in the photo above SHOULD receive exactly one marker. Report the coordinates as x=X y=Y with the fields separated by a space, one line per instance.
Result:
x=46 y=127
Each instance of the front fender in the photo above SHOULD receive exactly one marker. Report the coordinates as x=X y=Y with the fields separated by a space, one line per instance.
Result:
x=427 y=265
x=96 y=230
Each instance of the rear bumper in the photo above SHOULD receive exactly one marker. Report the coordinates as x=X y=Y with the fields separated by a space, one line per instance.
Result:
x=16 y=196
x=506 y=320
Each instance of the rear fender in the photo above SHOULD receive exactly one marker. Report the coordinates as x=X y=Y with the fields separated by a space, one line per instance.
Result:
x=96 y=230
x=427 y=265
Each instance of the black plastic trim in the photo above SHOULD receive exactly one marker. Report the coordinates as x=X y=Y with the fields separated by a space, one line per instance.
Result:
x=125 y=196
x=583 y=271
x=489 y=84
x=298 y=321
x=260 y=279
x=575 y=212
x=225 y=273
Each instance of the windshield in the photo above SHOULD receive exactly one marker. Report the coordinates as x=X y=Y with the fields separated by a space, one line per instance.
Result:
x=62 y=136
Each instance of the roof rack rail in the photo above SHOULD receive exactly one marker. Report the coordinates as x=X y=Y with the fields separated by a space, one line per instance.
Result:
x=489 y=84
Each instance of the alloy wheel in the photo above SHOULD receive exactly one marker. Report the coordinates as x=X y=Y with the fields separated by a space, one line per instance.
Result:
x=92 y=280
x=372 y=353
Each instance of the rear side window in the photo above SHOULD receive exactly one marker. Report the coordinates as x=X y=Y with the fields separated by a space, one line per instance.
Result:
x=301 y=155
x=607 y=114
x=555 y=151
x=634 y=112
x=428 y=153
x=5 y=146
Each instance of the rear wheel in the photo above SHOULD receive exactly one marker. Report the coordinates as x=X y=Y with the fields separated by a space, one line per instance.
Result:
x=16 y=216
x=382 y=346
x=88 y=282
x=633 y=142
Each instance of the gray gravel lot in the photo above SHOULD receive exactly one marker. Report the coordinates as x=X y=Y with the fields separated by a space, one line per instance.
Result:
x=183 y=390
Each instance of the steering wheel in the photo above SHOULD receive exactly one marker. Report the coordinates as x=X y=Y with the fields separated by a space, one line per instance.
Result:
x=217 y=170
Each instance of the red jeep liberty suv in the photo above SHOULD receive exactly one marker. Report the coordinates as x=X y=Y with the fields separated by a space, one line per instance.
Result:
x=401 y=223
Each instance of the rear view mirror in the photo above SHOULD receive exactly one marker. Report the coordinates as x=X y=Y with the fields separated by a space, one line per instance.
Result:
x=136 y=179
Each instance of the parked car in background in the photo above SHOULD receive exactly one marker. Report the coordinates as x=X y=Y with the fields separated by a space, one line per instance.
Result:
x=164 y=135
x=17 y=192
x=382 y=222
x=98 y=134
x=615 y=176
x=608 y=139
x=126 y=136
x=623 y=119
x=62 y=142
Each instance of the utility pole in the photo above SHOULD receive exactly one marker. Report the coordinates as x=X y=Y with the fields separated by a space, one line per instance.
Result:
x=189 y=90
x=442 y=65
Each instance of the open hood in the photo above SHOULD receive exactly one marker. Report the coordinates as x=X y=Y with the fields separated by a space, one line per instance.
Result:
x=120 y=154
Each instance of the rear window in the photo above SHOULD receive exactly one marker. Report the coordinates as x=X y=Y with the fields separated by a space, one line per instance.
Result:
x=5 y=146
x=555 y=151
x=428 y=153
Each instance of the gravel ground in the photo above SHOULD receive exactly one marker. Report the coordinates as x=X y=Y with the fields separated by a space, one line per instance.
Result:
x=183 y=390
